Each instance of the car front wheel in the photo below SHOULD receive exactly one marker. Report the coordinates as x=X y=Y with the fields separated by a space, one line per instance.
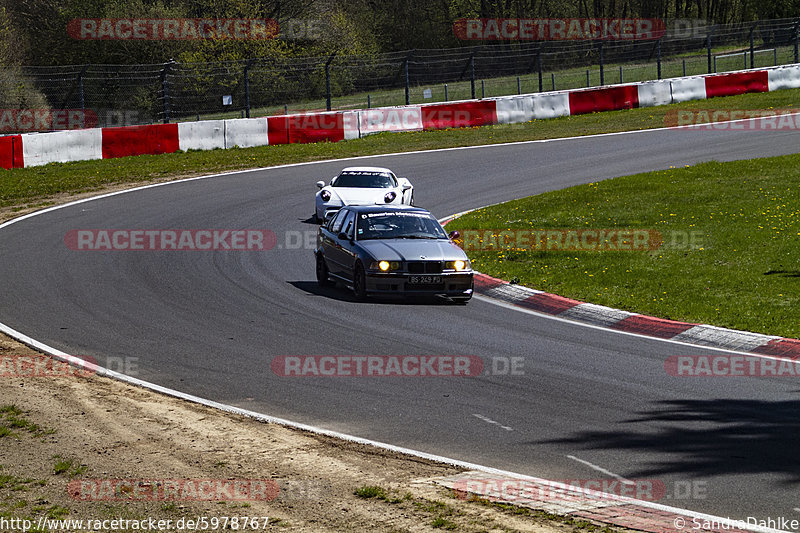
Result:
x=359 y=282
x=323 y=278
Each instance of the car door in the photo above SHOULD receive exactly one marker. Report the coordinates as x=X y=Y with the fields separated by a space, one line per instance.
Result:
x=328 y=244
x=339 y=251
x=346 y=246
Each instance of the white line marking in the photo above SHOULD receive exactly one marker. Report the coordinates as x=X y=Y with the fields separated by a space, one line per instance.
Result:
x=512 y=306
x=490 y=421
x=601 y=469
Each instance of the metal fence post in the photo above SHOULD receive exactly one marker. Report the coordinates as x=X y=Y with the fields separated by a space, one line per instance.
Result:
x=752 y=30
x=408 y=95
x=658 y=58
x=796 y=39
x=472 y=74
x=539 y=65
x=708 y=48
x=165 y=90
x=328 y=81
x=80 y=88
x=247 y=87
x=600 y=52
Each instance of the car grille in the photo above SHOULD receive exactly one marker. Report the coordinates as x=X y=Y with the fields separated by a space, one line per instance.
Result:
x=425 y=267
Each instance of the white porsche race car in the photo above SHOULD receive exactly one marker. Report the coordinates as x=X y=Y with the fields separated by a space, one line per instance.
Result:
x=361 y=186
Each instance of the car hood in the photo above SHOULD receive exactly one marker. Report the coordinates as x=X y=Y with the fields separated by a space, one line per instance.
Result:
x=413 y=250
x=359 y=195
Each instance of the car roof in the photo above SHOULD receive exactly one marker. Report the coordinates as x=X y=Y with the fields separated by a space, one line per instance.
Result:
x=367 y=169
x=377 y=208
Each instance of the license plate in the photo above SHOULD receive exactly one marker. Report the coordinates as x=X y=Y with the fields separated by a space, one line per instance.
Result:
x=425 y=280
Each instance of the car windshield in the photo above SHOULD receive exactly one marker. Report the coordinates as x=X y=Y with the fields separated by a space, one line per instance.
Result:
x=398 y=225
x=364 y=180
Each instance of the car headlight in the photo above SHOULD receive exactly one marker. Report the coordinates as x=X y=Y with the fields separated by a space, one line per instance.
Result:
x=325 y=195
x=389 y=197
x=457 y=265
x=385 y=266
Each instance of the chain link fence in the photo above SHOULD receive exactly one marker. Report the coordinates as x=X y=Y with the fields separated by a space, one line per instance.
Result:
x=116 y=95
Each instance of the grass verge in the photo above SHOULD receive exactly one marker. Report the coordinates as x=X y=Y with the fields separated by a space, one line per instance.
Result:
x=731 y=239
x=31 y=187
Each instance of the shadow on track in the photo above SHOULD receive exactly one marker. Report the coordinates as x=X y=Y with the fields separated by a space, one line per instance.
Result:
x=343 y=294
x=709 y=437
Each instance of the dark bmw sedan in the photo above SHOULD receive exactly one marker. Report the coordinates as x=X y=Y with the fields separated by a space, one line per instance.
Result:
x=391 y=250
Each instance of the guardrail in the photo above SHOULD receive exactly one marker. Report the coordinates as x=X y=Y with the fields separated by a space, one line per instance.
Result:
x=32 y=149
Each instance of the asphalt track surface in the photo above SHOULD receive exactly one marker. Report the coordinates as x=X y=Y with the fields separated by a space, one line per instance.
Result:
x=209 y=324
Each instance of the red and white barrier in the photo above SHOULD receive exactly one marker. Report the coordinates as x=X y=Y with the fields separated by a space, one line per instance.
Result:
x=351 y=124
x=11 y=151
x=17 y=151
x=685 y=89
x=138 y=140
x=245 y=132
x=783 y=78
x=655 y=93
x=751 y=81
x=203 y=135
x=463 y=114
x=551 y=105
x=62 y=146
x=394 y=119
x=316 y=127
x=514 y=110
x=603 y=99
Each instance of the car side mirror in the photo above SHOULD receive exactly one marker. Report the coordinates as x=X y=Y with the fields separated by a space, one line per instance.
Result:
x=320 y=184
x=454 y=235
x=343 y=236
x=406 y=186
